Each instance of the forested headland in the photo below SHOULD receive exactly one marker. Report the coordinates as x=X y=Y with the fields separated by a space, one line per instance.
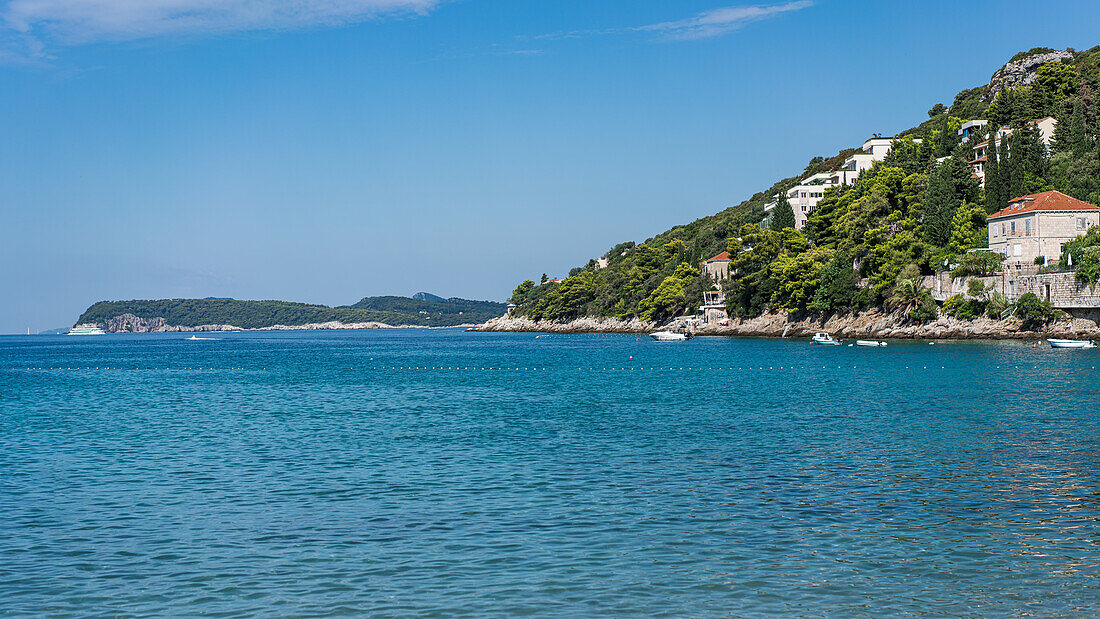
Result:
x=428 y=311
x=869 y=243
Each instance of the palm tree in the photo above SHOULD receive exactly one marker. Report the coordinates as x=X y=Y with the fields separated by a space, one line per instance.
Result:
x=907 y=295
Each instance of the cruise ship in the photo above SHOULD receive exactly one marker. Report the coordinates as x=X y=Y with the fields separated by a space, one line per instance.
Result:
x=87 y=329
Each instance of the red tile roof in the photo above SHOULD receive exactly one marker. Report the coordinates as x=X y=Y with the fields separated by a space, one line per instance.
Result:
x=1046 y=201
x=722 y=256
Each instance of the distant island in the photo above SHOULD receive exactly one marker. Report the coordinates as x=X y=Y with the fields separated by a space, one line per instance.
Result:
x=218 y=314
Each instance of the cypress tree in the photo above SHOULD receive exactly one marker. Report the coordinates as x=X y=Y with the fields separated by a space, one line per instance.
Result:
x=1078 y=129
x=1005 y=172
x=992 y=175
x=940 y=203
x=782 y=215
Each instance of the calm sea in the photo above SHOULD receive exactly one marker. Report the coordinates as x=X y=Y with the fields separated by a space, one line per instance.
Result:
x=449 y=473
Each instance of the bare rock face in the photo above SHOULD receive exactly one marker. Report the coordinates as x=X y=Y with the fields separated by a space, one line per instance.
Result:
x=579 y=325
x=1021 y=72
x=129 y=323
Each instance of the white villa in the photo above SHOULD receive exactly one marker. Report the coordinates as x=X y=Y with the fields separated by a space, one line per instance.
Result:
x=804 y=196
x=1037 y=225
x=971 y=128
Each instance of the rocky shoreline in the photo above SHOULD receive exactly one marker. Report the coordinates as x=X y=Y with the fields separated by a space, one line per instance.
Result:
x=868 y=324
x=129 y=323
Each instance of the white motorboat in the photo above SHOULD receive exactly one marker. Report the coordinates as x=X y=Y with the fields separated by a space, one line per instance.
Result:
x=870 y=343
x=670 y=336
x=1071 y=343
x=825 y=339
x=86 y=329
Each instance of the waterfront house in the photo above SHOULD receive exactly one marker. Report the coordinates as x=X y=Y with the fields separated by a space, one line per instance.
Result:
x=713 y=309
x=717 y=268
x=1036 y=226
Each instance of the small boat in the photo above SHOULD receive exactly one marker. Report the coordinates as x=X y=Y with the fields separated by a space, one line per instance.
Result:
x=670 y=336
x=1071 y=343
x=825 y=339
x=870 y=343
x=195 y=338
x=86 y=329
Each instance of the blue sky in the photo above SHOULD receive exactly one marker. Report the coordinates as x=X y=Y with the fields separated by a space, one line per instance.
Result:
x=262 y=150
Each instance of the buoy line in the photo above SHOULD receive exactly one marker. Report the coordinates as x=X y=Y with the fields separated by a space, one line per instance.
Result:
x=426 y=368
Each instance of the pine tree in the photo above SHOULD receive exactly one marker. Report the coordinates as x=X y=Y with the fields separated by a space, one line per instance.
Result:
x=782 y=215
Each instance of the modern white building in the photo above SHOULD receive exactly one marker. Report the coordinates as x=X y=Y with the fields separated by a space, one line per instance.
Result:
x=804 y=196
x=972 y=128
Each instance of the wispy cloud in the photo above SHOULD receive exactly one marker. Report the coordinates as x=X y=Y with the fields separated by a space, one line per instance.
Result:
x=35 y=25
x=717 y=22
x=705 y=25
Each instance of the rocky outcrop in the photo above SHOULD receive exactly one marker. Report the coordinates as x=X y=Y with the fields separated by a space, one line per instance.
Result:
x=1021 y=72
x=129 y=323
x=579 y=325
x=869 y=324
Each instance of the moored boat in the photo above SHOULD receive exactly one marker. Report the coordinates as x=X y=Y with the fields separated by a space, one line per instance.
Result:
x=670 y=336
x=1071 y=343
x=870 y=343
x=825 y=339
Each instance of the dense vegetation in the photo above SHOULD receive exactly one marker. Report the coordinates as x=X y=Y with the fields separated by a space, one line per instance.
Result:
x=437 y=308
x=869 y=243
x=396 y=311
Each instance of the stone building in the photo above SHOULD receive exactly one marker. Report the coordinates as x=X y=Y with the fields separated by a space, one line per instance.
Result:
x=718 y=267
x=1037 y=225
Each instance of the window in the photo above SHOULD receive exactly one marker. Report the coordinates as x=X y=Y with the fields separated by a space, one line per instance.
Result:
x=1016 y=250
x=1081 y=223
x=1014 y=229
x=1002 y=229
x=1027 y=227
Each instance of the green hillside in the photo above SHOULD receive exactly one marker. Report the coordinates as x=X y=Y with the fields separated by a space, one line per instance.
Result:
x=906 y=217
x=435 y=307
x=396 y=311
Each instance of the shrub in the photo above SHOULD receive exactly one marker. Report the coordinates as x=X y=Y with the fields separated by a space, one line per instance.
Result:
x=997 y=306
x=1035 y=312
x=963 y=308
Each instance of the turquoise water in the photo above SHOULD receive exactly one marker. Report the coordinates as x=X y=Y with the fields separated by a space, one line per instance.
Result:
x=323 y=473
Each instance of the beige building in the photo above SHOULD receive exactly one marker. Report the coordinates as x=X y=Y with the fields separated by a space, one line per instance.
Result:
x=718 y=267
x=1037 y=225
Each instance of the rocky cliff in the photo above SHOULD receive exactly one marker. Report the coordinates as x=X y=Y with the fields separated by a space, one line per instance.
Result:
x=129 y=323
x=1021 y=72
